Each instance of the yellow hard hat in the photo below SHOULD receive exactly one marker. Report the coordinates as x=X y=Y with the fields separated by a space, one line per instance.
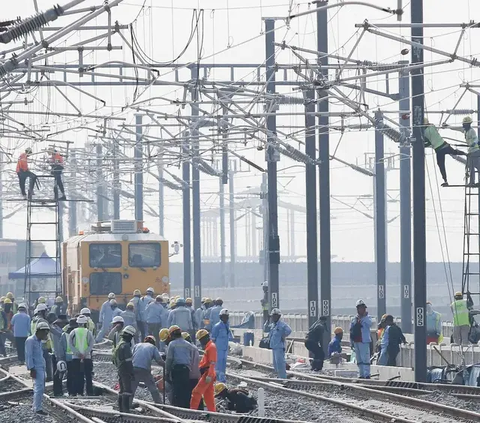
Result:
x=202 y=333
x=466 y=119
x=8 y=301
x=208 y=300
x=458 y=294
x=9 y=295
x=219 y=388
x=188 y=301
x=186 y=336
x=130 y=305
x=163 y=334
x=41 y=300
x=203 y=299
x=2 y=298
x=137 y=292
x=337 y=330
x=173 y=328
x=59 y=299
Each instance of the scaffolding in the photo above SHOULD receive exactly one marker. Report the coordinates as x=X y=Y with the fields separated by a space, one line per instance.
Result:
x=471 y=241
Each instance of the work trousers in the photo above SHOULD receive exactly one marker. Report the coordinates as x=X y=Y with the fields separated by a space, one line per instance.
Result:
x=20 y=343
x=22 y=179
x=193 y=383
x=82 y=376
x=383 y=357
x=71 y=378
x=318 y=354
x=181 y=381
x=205 y=390
x=142 y=327
x=441 y=153
x=38 y=389
x=9 y=335
x=145 y=376
x=57 y=379
x=103 y=331
x=362 y=354
x=48 y=363
x=2 y=344
x=154 y=329
x=460 y=334
x=57 y=174
x=221 y=365
x=125 y=383
x=279 y=363
x=473 y=165
x=392 y=353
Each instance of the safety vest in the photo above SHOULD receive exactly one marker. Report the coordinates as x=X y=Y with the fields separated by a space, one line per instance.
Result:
x=460 y=313
x=22 y=164
x=434 y=138
x=90 y=325
x=33 y=325
x=81 y=341
x=69 y=347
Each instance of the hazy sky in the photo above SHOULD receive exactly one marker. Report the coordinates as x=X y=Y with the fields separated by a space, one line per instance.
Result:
x=233 y=34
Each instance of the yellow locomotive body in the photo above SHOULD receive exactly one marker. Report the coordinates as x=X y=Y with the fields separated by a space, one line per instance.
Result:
x=117 y=258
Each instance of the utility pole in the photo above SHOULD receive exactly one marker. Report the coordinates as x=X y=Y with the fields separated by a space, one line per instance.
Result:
x=72 y=208
x=324 y=172
x=272 y=158
x=100 y=184
x=419 y=235
x=232 y=227
x=1 y=194
x=222 y=231
x=116 y=180
x=161 y=195
x=380 y=220
x=405 y=207
x=187 y=251
x=138 y=155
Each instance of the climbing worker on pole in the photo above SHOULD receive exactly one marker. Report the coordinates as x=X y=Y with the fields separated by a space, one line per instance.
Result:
x=56 y=164
x=123 y=360
x=24 y=172
x=442 y=148
x=278 y=332
x=206 y=385
x=360 y=339
x=221 y=335
x=461 y=319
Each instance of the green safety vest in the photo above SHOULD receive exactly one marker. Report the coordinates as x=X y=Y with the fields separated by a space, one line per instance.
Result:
x=81 y=342
x=460 y=313
x=69 y=347
x=2 y=322
x=33 y=325
x=91 y=325
x=434 y=138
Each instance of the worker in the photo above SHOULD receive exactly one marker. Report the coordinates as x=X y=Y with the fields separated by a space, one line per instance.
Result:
x=277 y=334
x=335 y=346
x=105 y=317
x=194 y=370
x=90 y=325
x=137 y=294
x=3 y=328
x=181 y=317
x=129 y=317
x=215 y=314
x=206 y=385
x=21 y=330
x=237 y=399
x=36 y=364
x=392 y=338
x=143 y=303
x=58 y=306
x=12 y=299
x=117 y=326
x=381 y=353
x=461 y=319
x=56 y=332
x=7 y=331
x=56 y=164
x=24 y=172
x=314 y=344
x=442 y=148
x=40 y=315
x=221 y=335
x=189 y=306
x=360 y=338
x=180 y=358
x=123 y=360
x=199 y=314
x=208 y=304
x=434 y=325
x=65 y=354
x=116 y=310
x=81 y=342
x=156 y=316
x=143 y=355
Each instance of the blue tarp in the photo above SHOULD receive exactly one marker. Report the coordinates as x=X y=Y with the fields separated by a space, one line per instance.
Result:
x=43 y=267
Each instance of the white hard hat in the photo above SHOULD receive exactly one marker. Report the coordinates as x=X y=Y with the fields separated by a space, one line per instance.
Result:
x=118 y=319
x=150 y=290
x=82 y=320
x=130 y=330
x=224 y=312
x=22 y=306
x=42 y=326
x=276 y=311
x=111 y=296
x=85 y=311
x=61 y=366
x=41 y=307
x=360 y=303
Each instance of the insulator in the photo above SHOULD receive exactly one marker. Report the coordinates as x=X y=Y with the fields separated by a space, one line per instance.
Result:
x=460 y=112
x=170 y=185
x=390 y=132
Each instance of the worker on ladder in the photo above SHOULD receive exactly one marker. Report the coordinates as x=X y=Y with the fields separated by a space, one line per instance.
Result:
x=56 y=163
x=442 y=148
x=24 y=172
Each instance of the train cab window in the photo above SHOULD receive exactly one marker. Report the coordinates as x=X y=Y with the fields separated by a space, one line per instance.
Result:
x=144 y=255
x=105 y=282
x=105 y=255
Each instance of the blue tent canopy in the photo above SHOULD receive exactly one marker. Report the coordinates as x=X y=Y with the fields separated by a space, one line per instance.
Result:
x=43 y=267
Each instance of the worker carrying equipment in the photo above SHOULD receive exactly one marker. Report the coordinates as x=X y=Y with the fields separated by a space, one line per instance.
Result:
x=434 y=139
x=237 y=399
x=23 y=172
x=56 y=164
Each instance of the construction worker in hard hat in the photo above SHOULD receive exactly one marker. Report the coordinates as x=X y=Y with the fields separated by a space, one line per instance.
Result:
x=180 y=359
x=7 y=330
x=23 y=172
x=278 y=331
x=222 y=335
x=35 y=362
x=3 y=328
x=123 y=360
x=14 y=304
x=81 y=342
x=142 y=305
x=236 y=399
x=206 y=384
x=434 y=325
x=90 y=325
x=189 y=306
x=381 y=354
x=215 y=314
x=40 y=315
x=137 y=296
x=199 y=315
x=56 y=331
x=65 y=354
x=180 y=316
x=433 y=139
x=208 y=304
x=156 y=317
x=129 y=317
x=335 y=346
x=57 y=308
x=360 y=338
x=105 y=318
x=461 y=319
x=392 y=338
x=117 y=327
x=56 y=164
x=21 y=329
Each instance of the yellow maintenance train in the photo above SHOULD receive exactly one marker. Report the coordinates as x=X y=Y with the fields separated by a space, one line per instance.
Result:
x=117 y=256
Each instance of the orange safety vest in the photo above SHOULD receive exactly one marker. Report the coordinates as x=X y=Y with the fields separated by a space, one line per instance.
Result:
x=57 y=159
x=209 y=359
x=22 y=164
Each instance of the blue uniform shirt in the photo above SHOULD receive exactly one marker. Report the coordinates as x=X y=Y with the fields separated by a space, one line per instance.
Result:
x=156 y=313
x=34 y=353
x=106 y=313
x=278 y=332
x=143 y=354
x=215 y=315
x=221 y=334
x=179 y=352
x=21 y=325
x=335 y=346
